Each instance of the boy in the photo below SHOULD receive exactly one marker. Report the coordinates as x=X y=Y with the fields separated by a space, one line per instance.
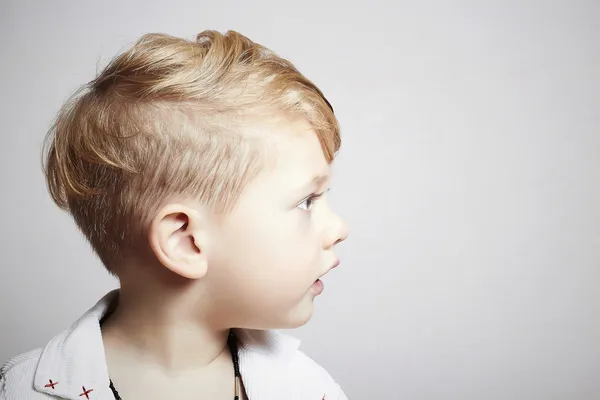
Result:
x=197 y=170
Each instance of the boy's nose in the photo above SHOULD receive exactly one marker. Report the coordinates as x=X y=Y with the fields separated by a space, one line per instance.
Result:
x=338 y=232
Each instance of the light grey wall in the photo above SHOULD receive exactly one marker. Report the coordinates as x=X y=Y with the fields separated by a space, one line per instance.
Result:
x=470 y=177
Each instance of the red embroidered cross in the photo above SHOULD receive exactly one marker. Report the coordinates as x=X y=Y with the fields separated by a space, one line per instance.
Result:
x=51 y=384
x=85 y=392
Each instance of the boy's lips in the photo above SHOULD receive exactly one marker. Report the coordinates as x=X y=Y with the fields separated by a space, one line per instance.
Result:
x=334 y=265
x=318 y=286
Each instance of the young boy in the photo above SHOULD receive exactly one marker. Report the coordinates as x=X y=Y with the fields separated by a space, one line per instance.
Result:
x=197 y=170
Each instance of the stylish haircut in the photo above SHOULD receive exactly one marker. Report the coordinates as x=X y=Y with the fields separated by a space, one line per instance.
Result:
x=165 y=118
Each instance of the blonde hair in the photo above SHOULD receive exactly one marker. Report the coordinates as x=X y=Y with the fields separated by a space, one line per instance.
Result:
x=163 y=118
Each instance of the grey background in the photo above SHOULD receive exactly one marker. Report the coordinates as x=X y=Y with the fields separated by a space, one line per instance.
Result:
x=469 y=176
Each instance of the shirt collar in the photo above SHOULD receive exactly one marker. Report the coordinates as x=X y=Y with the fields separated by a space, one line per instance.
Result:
x=74 y=362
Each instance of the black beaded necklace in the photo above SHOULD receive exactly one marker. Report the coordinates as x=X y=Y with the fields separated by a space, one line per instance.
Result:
x=232 y=344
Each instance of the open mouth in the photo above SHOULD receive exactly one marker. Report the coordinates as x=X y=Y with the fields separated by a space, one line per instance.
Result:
x=318 y=287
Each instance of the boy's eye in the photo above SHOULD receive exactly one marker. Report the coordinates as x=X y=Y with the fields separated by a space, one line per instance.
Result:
x=307 y=203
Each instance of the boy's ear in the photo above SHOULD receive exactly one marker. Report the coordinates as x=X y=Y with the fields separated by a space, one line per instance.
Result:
x=177 y=236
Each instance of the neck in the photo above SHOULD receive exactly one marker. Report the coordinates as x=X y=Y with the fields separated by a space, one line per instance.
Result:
x=164 y=329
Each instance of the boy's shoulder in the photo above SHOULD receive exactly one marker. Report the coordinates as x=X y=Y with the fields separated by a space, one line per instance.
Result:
x=302 y=374
x=273 y=366
x=305 y=369
x=73 y=364
x=18 y=373
x=266 y=375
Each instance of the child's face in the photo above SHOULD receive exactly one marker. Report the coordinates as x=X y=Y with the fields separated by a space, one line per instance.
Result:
x=268 y=253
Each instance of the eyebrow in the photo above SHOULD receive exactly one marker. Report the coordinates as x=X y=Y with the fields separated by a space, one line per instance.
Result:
x=317 y=180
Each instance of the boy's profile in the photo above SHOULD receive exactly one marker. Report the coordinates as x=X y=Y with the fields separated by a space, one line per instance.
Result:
x=197 y=170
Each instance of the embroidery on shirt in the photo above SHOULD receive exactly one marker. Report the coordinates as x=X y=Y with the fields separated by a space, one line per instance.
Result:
x=51 y=384
x=86 y=392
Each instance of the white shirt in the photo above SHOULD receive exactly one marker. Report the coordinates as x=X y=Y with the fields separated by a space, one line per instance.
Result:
x=73 y=366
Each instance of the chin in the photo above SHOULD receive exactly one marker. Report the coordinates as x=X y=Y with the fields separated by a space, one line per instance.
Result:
x=292 y=318
x=301 y=314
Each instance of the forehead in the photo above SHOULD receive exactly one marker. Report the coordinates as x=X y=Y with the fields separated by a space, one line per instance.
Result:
x=296 y=154
x=293 y=155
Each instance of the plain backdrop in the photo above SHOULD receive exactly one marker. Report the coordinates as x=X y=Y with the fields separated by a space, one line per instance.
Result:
x=469 y=176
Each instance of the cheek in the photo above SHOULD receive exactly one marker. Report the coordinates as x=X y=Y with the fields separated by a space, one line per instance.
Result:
x=276 y=251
